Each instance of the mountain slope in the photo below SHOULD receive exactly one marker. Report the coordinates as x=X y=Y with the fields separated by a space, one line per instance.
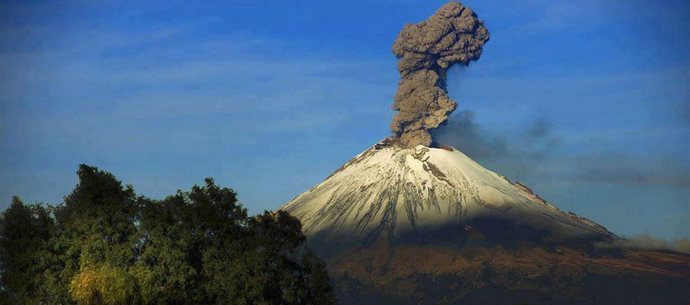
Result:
x=391 y=192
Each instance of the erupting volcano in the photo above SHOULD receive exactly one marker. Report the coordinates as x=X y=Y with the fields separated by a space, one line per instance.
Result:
x=405 y=222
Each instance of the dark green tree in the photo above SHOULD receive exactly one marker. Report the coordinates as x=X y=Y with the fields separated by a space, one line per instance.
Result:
x=178 y=234
x=319 y=290
x=164 y=269
x=272 y=265
x=25 y=234
x=97 y=231
x=100 y=215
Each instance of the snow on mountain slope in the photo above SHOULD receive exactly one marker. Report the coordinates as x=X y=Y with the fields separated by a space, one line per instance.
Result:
x=393 y=191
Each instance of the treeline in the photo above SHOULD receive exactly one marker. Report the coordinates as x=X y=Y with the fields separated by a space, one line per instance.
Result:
x=106 y=245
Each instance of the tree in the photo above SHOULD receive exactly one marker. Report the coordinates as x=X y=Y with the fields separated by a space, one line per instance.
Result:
x=272 y=265
x=165 y=268
x=25 y=233
x=319 y=291
x=176 y=233
x=100 y=215
x=97 y=230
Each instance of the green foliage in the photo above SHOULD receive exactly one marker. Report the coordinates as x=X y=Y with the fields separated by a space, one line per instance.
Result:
x=25 y=232
x=99 y=218
x=95 y=226
x=103 y=285
x=104 y=245
x=165 y=268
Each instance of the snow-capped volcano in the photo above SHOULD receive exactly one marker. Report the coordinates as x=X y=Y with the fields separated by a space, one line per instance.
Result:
x=403 y=223
x=390 y=192
x=431 y=226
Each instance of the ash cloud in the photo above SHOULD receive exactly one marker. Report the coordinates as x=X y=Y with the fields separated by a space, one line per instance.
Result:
x=516 y=154
x=532 y=152
x=425 y=51
x=463 y=132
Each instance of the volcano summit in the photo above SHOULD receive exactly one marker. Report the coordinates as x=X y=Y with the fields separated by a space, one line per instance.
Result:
x=407 y=223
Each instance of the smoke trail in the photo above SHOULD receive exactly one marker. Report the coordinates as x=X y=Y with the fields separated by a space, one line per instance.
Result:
x=425 y=51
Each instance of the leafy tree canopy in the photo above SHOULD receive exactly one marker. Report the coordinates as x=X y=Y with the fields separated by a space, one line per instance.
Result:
x=105 y=245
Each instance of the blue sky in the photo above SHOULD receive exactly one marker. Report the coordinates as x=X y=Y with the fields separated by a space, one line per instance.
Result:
x=585 y=101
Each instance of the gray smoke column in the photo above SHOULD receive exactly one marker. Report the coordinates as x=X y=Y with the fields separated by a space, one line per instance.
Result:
x=425 y=51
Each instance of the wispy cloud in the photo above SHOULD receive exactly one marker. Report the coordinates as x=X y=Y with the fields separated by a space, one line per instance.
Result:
x=163 y=98
x=122 y=79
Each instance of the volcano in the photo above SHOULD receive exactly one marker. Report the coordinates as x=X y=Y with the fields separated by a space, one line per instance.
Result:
x=410 y=222
x=428 y=225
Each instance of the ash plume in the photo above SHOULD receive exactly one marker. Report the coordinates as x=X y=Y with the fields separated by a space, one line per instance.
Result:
x=425 y=51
